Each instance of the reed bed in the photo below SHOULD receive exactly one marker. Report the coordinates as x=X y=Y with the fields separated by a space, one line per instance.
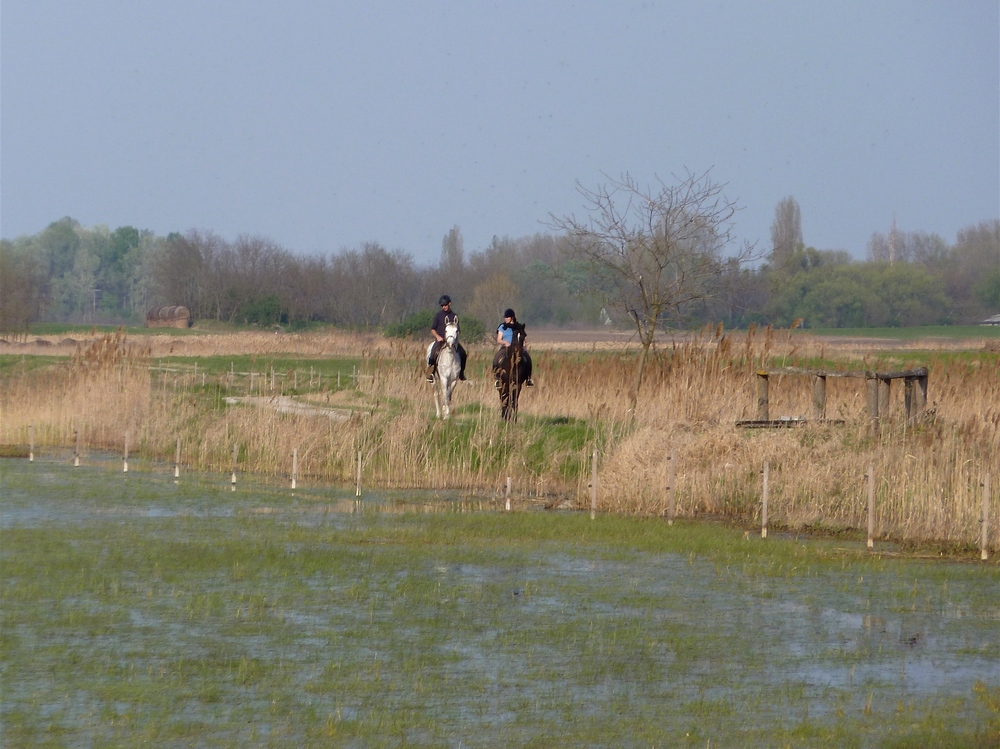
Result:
x=927 y=475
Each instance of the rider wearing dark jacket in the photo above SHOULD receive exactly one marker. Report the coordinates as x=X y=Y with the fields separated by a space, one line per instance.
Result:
x=444 y=316
x=505 y=336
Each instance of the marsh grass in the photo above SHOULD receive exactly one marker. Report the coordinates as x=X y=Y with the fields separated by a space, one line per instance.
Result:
x=135 y=610
x=695 y=389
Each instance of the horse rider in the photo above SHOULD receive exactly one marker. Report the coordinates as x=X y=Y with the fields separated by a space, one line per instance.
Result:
x=505 y=336
x=444 y=316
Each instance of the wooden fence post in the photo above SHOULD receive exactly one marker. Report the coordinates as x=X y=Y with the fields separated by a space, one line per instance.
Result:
x=235 y=451
x=593 y=485
x=762 y=396
x=871 y=386
x=508 y=494
x=763 y=513
x=358 y=493
x=672 y=479
x=76 y=451
x=125 y=455
x=177 y=461
x=984 y=531
x=871 y=506
x=31 y=443
x=295 y=465
x=819 y=397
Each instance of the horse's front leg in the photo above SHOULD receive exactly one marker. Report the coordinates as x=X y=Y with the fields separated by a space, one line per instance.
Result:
x=437 y=399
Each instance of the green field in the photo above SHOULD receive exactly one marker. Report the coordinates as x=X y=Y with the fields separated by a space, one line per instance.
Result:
x=137 y=611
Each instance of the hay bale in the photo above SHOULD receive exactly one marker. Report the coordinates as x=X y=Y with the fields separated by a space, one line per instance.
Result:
x=171 y=316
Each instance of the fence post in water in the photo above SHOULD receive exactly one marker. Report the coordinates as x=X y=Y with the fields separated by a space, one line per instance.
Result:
x=76 y=451
x=125 y=455
x=508 y=494
x=235 y=450
x=763 y=509
x=295 y=465
x=871 y=506
x=593 y=485
x=31 y=443
x=984 y=532
x=672 y=478
x=358 y=493
x=177 y=461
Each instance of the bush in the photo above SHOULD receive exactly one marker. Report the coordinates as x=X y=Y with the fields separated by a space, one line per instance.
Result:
x=419 y=324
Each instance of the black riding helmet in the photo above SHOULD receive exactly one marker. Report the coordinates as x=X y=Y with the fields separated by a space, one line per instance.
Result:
x=445 y=299
x=509 y=313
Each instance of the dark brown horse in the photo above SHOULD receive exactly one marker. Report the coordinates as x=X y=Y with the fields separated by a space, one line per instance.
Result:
x=512 y=370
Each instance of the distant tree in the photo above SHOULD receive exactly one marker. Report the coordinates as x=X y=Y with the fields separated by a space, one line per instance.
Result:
x=974 y=258
x=786 y=231
x=491 y=297
x=453 y=251
x=654 y=252
x=22 y=287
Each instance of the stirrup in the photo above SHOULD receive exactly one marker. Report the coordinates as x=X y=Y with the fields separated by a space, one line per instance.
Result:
x=528 y=383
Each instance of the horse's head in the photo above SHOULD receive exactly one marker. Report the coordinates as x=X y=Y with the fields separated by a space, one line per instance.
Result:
x=451 y=333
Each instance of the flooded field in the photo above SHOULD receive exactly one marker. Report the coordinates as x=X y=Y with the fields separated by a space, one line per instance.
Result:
x=140 y=610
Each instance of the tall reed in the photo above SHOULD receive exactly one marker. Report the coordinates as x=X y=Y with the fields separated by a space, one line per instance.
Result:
x=694 y=390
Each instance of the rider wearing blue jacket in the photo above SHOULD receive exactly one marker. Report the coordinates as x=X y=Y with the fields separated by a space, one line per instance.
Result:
x=505 y=336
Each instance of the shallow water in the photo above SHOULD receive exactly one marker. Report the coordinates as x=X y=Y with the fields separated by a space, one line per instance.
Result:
x=333 y=616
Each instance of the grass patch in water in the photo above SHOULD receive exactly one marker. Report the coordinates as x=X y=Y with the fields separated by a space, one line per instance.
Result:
x=134 y=609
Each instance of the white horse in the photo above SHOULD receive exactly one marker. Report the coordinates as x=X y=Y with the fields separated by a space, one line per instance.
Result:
x=448 y=368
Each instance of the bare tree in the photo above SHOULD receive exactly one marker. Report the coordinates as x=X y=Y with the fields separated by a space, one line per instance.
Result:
x=658 y=250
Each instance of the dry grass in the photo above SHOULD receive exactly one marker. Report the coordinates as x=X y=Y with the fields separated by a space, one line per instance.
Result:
x=927 y=477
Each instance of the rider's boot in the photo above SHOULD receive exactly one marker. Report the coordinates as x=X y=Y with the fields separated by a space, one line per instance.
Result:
x=430 y=373
x=529 y=383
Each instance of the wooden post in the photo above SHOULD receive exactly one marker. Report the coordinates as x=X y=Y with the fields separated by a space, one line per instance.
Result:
x=125 y=455
x=920 y=398
x=295 y=465
x=871 y=388
x=177 y=461
x=884 y=388
x=203 y=379
x=763 y=511
x=310 y=376
x=272 y=379
x=76 y=452
x=508 y=494
x=358 y=493
x=762 y=405
x=251 y=381
x=908 y=399
x=672 y=479
x=235 y=451
x=819 y=397
x=871 y=506
x=338 y=380
x=593 y=485
x=295 y=379
x=232 y=373
x=31 y=443
x=984 y=531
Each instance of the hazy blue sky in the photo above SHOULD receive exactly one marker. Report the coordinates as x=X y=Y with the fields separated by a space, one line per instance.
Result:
x=326 y=124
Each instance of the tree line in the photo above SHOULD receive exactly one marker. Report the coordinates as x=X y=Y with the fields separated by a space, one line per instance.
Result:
x=570 y=276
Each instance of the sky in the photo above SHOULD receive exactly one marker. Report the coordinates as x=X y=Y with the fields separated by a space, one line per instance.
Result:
x=324 y=125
